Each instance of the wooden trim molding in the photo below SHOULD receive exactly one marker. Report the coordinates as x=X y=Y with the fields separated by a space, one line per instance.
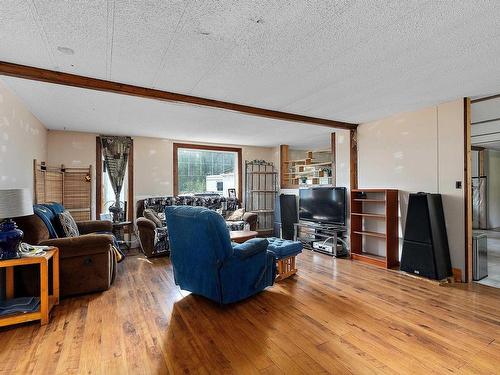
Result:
x=98 y=178
x=468 y=190
x=485 y=98
x=457 y=275
x=333 y=147
x=283 y=166
x=237 y=150
x=353 y=160
x=130 y=187
x=66 y=79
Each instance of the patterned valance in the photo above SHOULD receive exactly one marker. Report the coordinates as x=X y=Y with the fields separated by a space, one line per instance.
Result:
x=115 y=151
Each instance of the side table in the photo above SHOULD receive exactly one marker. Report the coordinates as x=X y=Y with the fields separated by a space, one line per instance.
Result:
x=47 y=302
x=119 y=233
x=240 y=236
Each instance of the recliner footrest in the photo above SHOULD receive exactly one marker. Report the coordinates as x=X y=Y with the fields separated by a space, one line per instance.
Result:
x=285 y=252
x=284 y=248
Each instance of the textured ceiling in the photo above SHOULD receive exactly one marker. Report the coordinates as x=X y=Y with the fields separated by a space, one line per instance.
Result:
x=346 y=60
x=69 y=108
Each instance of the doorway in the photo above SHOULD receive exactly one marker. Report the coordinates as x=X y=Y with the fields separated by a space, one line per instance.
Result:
x=485 y=173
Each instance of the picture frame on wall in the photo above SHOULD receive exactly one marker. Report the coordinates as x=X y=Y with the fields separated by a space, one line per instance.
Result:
x=231 y=193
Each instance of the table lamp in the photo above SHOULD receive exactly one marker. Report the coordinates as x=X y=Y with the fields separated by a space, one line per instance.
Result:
x=13 y=203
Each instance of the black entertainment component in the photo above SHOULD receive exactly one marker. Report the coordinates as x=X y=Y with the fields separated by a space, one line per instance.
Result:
x=288 y=214
x=325 y=205
x=425 y=246
x=277 y=217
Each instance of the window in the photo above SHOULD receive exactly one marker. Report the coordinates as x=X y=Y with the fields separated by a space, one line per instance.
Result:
x=206 y=169
x=105 y=196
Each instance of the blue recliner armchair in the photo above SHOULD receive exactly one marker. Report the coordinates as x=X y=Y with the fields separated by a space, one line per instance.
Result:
x=205 y=261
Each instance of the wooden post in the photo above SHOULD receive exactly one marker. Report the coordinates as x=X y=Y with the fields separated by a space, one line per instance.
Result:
x=44 y=292
x=333 y=146
x=283 y=165
x=98 y=177
x=467 y=191
x=354 y=159
x=130 y=207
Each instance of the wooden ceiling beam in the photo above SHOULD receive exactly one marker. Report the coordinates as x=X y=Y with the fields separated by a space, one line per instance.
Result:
x=67 y=79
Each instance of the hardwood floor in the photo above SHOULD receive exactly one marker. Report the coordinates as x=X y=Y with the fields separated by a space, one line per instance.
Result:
x=335 y=316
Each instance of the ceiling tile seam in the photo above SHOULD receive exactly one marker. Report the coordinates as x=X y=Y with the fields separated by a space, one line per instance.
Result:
x=38 y=22
x=110 y=36
x=327 y=85
x=163 y=60
x=287 y=52
x=427 y=42
x=221 y=60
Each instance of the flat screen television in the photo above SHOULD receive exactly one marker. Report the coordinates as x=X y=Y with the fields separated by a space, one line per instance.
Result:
x=323 y=205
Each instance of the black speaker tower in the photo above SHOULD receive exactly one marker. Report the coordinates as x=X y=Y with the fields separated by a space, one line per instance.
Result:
x=425 y=246
x=288 y=214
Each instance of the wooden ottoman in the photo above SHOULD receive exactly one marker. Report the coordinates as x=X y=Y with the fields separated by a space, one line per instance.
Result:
x=285 y=252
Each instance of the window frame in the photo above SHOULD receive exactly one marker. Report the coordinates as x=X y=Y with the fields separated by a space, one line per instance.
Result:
x=175 y=168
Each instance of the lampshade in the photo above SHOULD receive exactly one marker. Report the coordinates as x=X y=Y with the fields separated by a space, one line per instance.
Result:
x=15 y=202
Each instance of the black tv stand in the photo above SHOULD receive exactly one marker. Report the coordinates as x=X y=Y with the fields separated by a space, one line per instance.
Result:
x=310 y=232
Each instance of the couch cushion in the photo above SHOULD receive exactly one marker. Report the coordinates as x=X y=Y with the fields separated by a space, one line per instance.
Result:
x=284 y=248
x=236 y=215
x=153 y=216
x=235 y=225
x=68 y=224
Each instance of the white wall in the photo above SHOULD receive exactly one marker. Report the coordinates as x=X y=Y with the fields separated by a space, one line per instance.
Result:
x=23 y=138
x=153 y=159
x=74 y=150
x=419 y=151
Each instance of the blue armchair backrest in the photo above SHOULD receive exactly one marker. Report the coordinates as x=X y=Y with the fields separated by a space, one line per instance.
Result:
x=48 y=217
x=198 y=232
x=199 y=244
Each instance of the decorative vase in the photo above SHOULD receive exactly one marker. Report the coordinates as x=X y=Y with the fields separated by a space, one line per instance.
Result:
x=10 y=238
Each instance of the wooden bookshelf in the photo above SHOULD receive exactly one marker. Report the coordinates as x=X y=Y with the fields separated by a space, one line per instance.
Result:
x=367 y=206
x=317 y=167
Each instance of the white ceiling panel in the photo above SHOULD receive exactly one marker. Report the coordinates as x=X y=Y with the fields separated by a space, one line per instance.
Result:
x=69 y=108
x=348 y=60
x=79 y=25
x=21 y=40
x=142 y=35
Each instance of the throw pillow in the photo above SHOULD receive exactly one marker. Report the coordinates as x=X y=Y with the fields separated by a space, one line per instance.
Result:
x=153 y=216
x=68 y=224
x=236 y=215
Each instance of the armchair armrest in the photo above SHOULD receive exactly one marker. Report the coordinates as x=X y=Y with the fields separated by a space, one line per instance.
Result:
x=250 y=247
x=143 y=223
x=86 y=244
x=93 y=226
x=251 y=219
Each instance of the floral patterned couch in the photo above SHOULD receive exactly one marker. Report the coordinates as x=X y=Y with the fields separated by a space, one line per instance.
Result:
x=150 y=222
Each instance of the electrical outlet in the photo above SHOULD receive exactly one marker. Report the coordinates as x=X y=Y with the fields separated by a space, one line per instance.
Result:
x=458 y=184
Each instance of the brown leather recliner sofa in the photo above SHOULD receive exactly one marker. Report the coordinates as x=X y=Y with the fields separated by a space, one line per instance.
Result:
x=87 y=263
x=153 y=234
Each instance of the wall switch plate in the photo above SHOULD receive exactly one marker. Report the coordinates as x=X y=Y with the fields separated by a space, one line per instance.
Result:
x=458 y=184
